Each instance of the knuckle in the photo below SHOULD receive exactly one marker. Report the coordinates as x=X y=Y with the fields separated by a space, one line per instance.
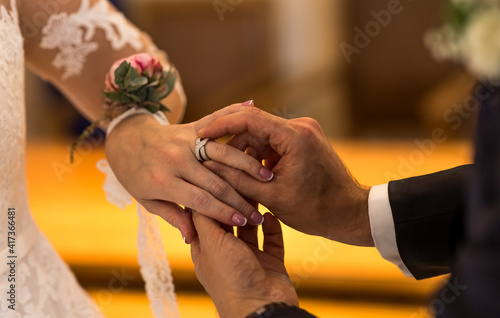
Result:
x=222 y=150
x=306 y=126
x=219 y=188
x=254 y=110
x=313 y=123
x=174 y=156
x=200 y=200
x=156 y=179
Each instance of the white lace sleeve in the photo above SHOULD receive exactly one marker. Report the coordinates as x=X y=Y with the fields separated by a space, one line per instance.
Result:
x=76 y=45
x=74 y=48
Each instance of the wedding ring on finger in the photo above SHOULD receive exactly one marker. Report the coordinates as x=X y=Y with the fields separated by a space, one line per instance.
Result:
x=199 y=151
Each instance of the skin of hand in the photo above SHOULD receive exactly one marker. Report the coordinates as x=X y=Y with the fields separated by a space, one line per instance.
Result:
x=237 y=275
x=311 y=191
x=157 y=166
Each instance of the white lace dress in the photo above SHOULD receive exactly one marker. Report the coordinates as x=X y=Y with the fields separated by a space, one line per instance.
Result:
x=72 y=43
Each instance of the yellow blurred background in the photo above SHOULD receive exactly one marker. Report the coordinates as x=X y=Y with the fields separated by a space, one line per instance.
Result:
x=376 y=91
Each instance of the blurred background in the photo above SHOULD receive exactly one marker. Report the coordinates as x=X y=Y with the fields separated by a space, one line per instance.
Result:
x=360 y=68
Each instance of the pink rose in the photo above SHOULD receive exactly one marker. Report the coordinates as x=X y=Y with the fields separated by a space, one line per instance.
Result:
x=143 y=63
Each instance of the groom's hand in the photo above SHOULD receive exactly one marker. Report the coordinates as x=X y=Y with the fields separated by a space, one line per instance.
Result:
x=238 y=276
x=312 y=191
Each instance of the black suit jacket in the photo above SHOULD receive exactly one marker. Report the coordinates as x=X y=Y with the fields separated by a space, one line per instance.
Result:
x=476 y=268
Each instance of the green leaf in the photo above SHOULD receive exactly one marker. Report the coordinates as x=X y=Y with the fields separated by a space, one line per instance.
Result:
x=164 y=108
x=129 y=76
x=134 y=97
x=120 y=74
x=154 y=83
x=152 y=108
x=152 y=96
x=169 y=82
x=137 y=83
x=118 y=97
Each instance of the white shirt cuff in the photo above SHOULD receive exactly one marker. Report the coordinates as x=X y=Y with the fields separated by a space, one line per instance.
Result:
x=382 y=226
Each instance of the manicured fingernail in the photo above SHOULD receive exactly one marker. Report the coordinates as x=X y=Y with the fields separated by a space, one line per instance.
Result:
x=257 y=218
x=247 y=103
x=266 y=174
x=239 y=219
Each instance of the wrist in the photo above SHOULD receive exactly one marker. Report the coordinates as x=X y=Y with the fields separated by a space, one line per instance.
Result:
x=361 y=224
x=354 y=228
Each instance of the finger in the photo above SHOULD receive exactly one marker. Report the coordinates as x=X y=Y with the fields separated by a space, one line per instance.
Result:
x=252 y=152
x=253 y=120
x=248 y=234
x=237 y=159
x=245 y=140
x=205 y=227
x=195 y=251
x=241 y=182
x=174 y=215
x=221 y=113
x=202 y=201
x=273 y=237
x=221 y=190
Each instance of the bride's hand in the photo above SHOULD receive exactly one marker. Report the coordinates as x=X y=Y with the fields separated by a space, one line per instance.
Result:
x=157 y=166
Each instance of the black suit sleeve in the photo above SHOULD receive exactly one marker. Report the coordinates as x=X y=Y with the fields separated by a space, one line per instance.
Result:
x=287 y=312
x=428 y=219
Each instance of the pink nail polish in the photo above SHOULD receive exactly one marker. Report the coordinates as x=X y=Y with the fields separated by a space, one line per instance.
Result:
x=248 y=103
x=257 y=218
x=239 y=220
x=266 y=174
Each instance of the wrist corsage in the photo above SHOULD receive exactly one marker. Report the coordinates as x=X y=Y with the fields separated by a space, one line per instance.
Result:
x=138 y=82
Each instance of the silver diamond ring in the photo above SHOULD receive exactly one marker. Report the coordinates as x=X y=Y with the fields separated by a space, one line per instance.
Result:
x=200 y=151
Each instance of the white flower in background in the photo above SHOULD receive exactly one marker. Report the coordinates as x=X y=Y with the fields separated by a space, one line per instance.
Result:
x=470 y=35
x=443 y=43
x=481 y=43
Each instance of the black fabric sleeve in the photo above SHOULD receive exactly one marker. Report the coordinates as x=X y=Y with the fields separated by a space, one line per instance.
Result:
x=287 y=312
x=428 y=218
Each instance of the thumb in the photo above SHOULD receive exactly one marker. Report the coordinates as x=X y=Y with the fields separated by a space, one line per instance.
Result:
x=207 y=120
x=174 y=215
x=205 y=226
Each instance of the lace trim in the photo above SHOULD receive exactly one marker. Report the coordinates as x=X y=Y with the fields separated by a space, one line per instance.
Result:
x=71 y=34
x=155 y=268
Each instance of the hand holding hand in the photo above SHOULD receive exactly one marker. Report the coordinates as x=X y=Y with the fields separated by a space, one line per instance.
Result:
x=238 y=276
x=312 y=191
x=157 y=166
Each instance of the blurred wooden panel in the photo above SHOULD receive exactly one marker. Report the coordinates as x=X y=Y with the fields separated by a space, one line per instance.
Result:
x=220 y=61
x=135 y=304
x=393 y=69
